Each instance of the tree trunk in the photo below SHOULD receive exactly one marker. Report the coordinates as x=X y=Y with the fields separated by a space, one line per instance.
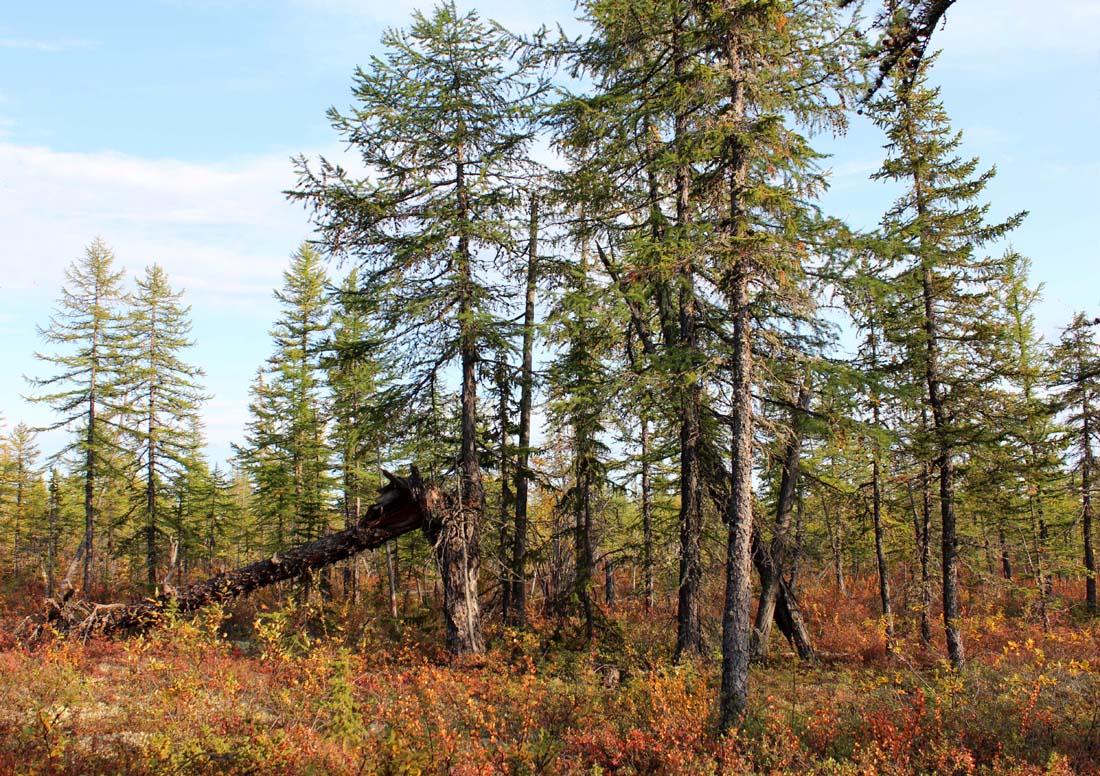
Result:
x=786 y=613
x=788 y=481
x=404 y=505
x=457 y=540
x=880 y=553
x=519 y=539
x=946 y=464
x=506 y=497
x=1087 y=466
x=647 y=519
x=737 y=609
x=836 y=543
x=689 y=631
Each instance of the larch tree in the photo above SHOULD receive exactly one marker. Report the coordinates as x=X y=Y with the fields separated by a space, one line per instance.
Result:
x=166 y=397
x=356 y=382
x=777 y=67
x=286 y=446
x=636 y=149
x=935 y=231
x=443 y=122
x=1076 y=382
x=515 y=610
x=18 y=496
x=86 y=330
x=297 y=381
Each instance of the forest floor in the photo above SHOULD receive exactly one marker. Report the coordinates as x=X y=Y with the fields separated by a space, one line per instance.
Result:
x=274 y=688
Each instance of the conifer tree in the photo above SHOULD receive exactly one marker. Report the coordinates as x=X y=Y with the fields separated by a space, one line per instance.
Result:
x=442 y=120
x=1028 y=426
x=166 y=397
x=934 y=231
x=286 y=446
x=22 y=483
x=85 y=329
x=296 y=380
x=1076 y=362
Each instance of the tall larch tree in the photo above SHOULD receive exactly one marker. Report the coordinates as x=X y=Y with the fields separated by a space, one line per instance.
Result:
x=86 y=330
x=1076 y=383
x=166 y=397
x=443 y=122
x=297 y=383
x=935 y=231
x=777 y=68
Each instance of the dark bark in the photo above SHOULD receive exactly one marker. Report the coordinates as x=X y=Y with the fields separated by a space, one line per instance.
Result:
x=788 y=481
x=518 y=601
x=1088 y=466
x=689 y=630
x=737 y=608
x=786 y=613
x=457 y=541
x=945 y=463
x=1006 y=561
x=506 y=496
x=647 y=519
x=404 y=505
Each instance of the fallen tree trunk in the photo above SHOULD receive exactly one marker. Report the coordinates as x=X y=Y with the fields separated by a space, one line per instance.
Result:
x=403 y=505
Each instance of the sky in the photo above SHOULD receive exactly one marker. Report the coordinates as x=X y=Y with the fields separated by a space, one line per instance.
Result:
x=167 y=128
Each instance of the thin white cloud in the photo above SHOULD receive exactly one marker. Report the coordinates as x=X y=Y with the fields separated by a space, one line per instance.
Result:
x=224 y=229
x=46 y=46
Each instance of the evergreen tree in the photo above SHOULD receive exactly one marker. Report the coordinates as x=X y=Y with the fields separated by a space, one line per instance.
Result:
x=443 y=122
x=23 y=490
x=286 y=442
x=296 y=381
x=166 y=397
x=1076 y=361
x=83 y=392
x=933 y=232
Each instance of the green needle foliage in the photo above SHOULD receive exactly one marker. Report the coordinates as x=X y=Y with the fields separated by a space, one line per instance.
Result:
x=443 y=122
x=166 y=397
x=85 y=390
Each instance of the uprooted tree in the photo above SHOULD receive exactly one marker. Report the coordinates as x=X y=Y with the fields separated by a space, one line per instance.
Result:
x=403 y=505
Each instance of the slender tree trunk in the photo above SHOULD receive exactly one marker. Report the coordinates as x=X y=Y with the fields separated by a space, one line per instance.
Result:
x=1038 y=536
x=647 y=519
x=689 y=632
x=1006 y=562
x=788 y=482
x=151 y=497
x=506 y=498
x=523 y=475
x=1086 y=514
x=836 y=543
x=458 y=549
x=51 y=537
x=89 y=492
x=945 y=463
x=391 y=574
x=786 y=613
x=737 y=609
x=880 y=552
x=582 y=540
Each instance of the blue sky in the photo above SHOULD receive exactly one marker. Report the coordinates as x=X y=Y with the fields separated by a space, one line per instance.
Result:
x=167 y=126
